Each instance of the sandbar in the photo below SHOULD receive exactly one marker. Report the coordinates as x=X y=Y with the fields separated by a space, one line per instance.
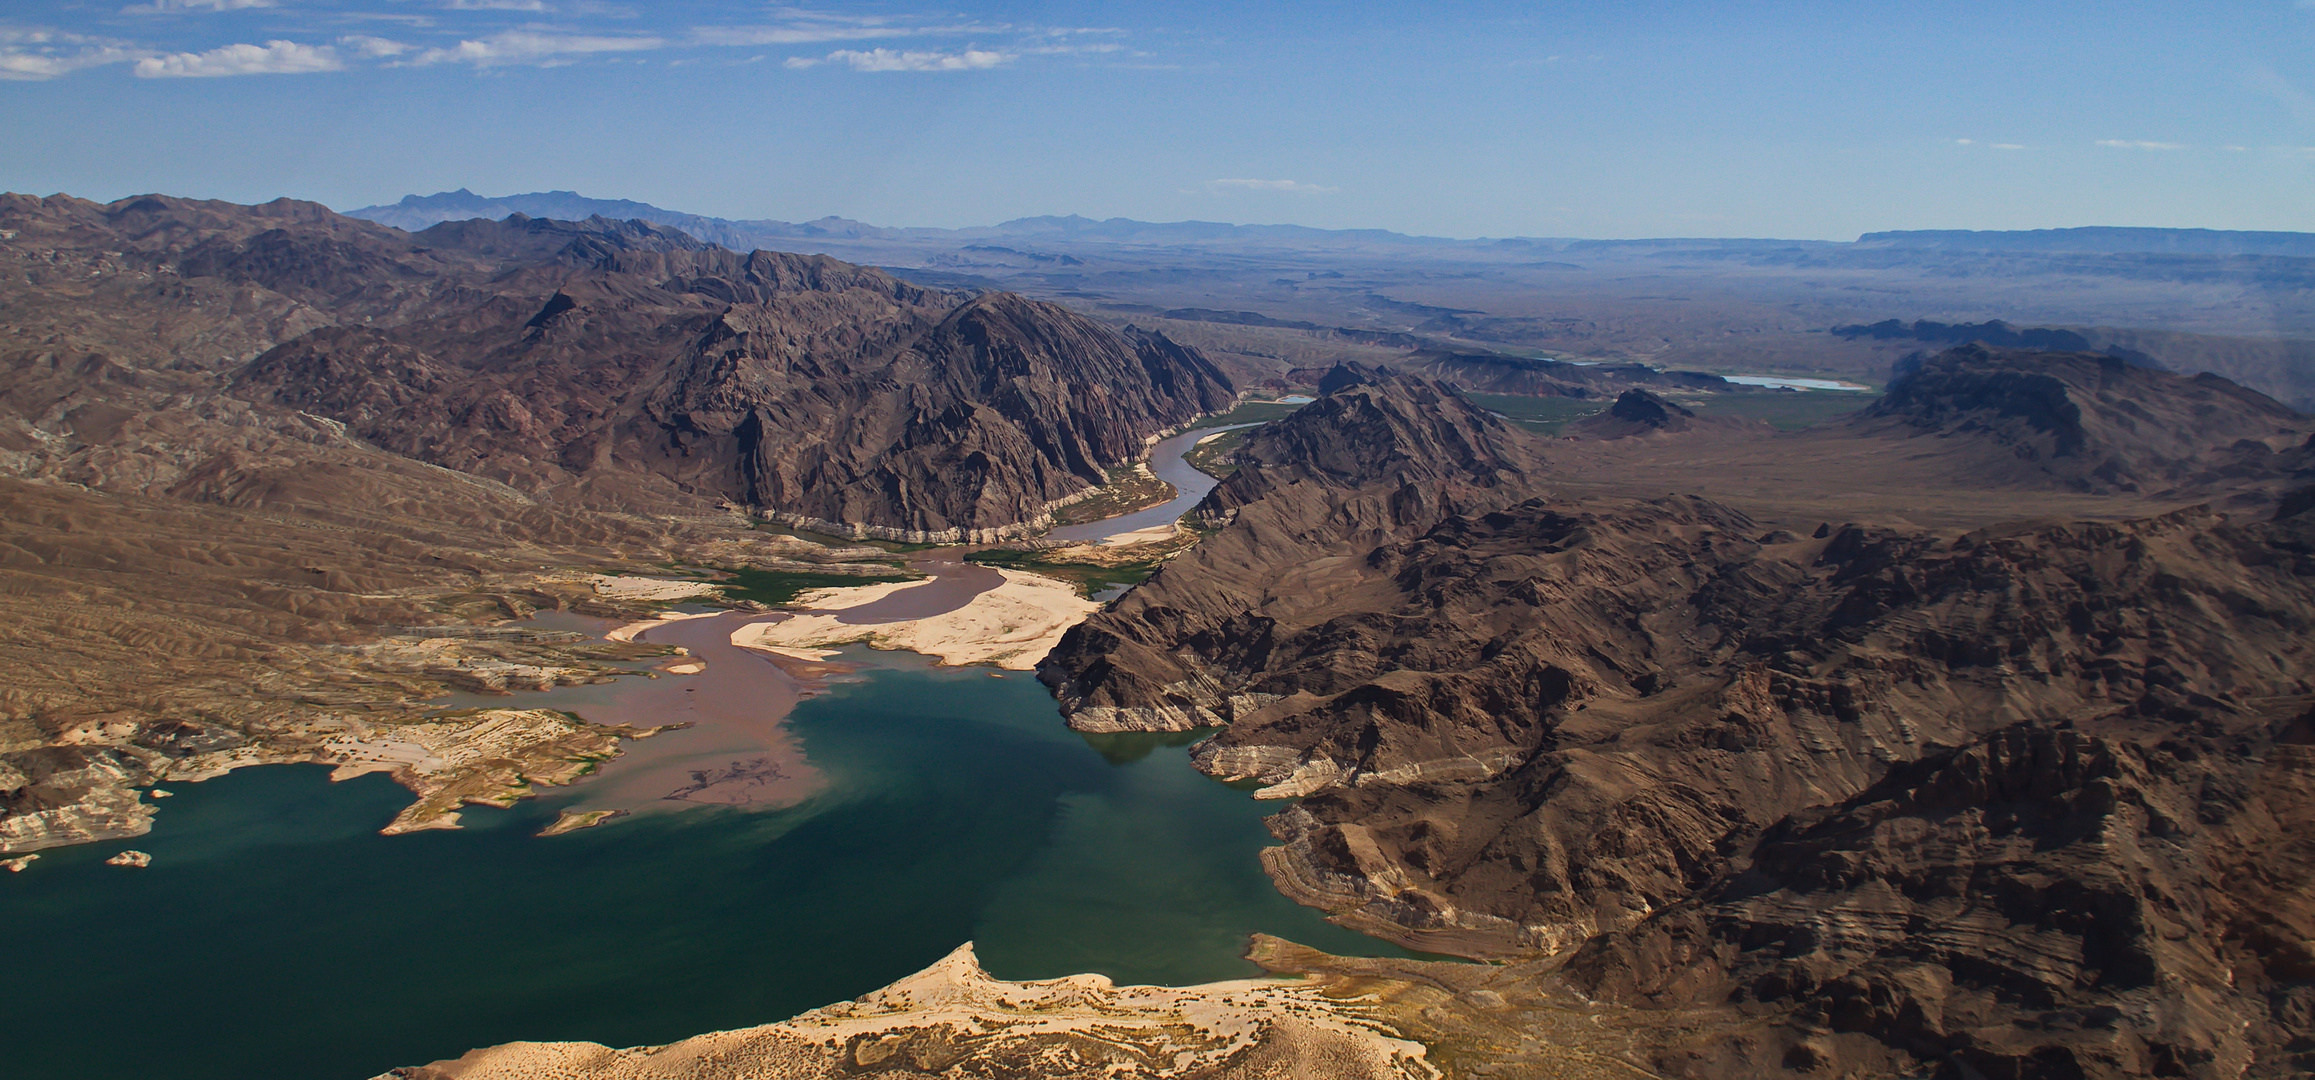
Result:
x=1011 y=626
x=628 y=631
x=1155 y=534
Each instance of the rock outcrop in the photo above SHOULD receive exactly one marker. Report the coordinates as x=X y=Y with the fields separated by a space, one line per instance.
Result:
x=1636 y=412
x=953 y=1020
x=2087 y=422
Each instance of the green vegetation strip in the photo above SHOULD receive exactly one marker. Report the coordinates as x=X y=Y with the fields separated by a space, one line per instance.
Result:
x=777 y=587
x=1213 y=456
x=1088 y=578
x=1130 y=488
x=1249 y=412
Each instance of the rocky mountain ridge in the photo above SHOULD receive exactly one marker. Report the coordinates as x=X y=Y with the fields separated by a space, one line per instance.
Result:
x=2024 y=799
x=616 y=363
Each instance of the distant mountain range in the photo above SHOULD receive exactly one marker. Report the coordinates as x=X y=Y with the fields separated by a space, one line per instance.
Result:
x=2103 y=239
x=416 y=212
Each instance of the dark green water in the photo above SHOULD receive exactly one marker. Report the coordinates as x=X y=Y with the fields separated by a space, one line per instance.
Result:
x=276 y=934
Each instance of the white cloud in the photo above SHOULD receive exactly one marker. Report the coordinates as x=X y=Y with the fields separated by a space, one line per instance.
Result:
x=180 y=7
x=496 y=5
x=1965 y=142
x=1075 y=50
x=754 y=36
x=33 y=55
x=892 y=60
x=2140 y=144
x=534 y=47
x=2007 y=146
x=271 y=58
x=801 y=27
x=373 y=48
x=1290 y=187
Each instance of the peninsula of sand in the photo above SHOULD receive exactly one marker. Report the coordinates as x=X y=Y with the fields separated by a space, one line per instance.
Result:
x=1010 y=619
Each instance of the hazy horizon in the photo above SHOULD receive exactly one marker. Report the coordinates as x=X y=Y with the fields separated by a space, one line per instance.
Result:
x=1790 y=121
x=1232 y=224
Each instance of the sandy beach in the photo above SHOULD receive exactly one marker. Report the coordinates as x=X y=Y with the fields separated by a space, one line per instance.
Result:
x=1012 y=625
x=628 y=631
x=1155 y=534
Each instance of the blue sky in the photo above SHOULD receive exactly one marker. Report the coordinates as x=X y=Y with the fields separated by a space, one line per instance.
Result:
x=1818 y=120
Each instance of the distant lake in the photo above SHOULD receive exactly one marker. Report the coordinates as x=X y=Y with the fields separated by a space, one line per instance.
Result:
x=1790 y=383
x=276 y=934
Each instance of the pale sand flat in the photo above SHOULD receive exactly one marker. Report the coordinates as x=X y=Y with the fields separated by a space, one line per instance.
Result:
x=627 y=633
x=1011 y=626
x=1155 y=534
x=847 y=597
x=623 y=587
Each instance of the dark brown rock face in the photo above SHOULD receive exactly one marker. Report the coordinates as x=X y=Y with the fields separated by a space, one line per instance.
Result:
x=2030 y=802
x=2038 y=903
x=1376 y=427
x=1379 y=456
x=2086 y=421
x=1636 y=412
x=620 y=364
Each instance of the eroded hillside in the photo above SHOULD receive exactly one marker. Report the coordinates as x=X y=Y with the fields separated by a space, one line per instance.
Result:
x=2028 y=798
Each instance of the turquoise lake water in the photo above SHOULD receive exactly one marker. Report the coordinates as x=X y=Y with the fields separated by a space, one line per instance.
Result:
x=276 y=934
